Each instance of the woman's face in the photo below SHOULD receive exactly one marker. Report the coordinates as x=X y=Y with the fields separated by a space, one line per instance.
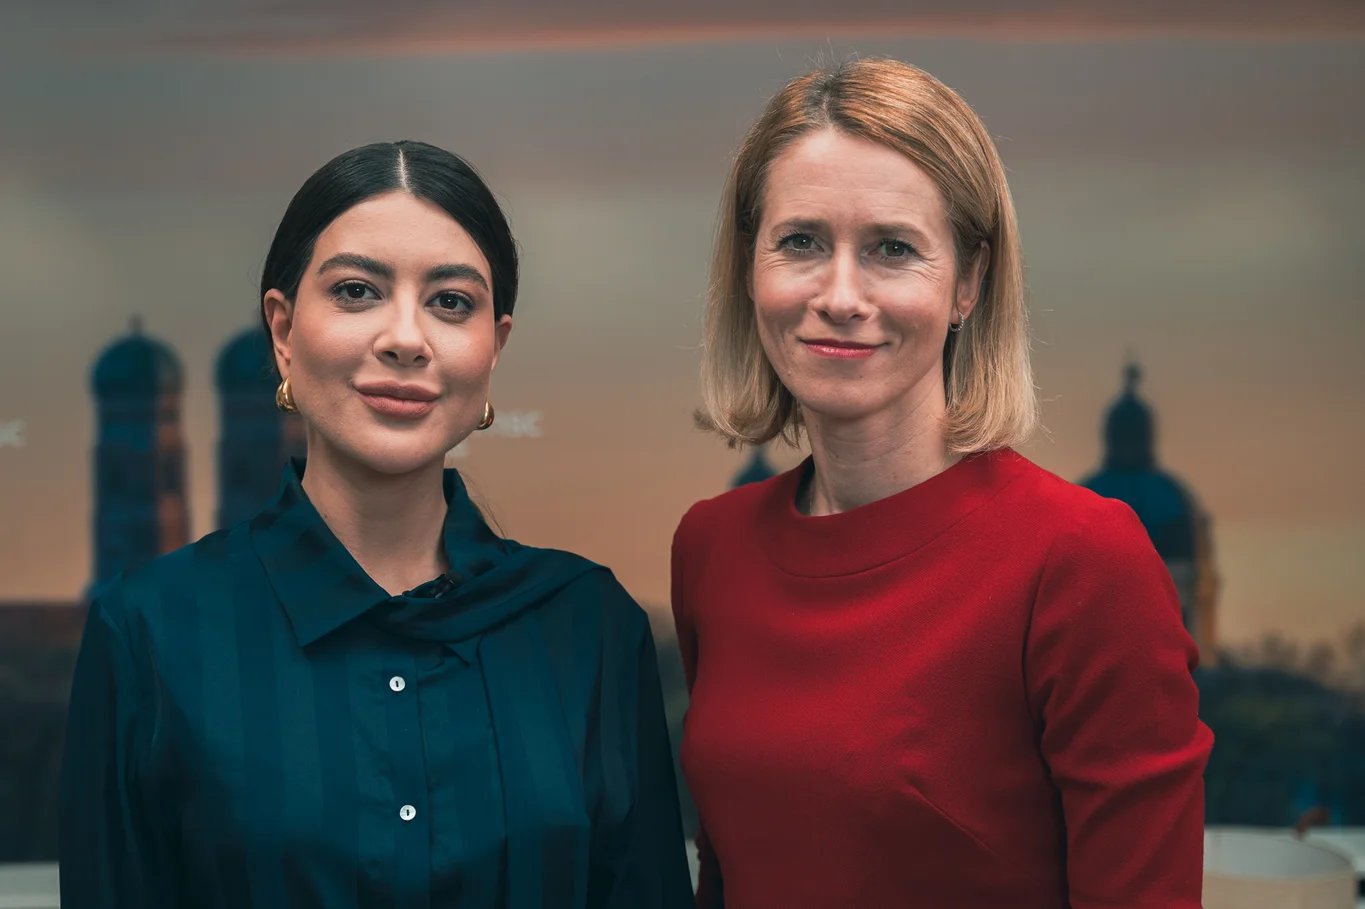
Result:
x=390 y=343
x=855 y=281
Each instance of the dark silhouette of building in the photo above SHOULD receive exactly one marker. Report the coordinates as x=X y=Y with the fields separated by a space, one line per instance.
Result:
x=256 y=438
x=756 y=469
x=140 y=504
x=1178 y=526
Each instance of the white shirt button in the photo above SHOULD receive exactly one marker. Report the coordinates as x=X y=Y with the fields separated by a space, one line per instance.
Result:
x=407 y=812
x=397 y=683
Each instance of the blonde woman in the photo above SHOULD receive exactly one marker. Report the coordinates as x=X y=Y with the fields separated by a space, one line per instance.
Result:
x=924 y=671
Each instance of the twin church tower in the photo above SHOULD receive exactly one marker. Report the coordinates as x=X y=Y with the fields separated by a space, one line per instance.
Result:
x=141 y=508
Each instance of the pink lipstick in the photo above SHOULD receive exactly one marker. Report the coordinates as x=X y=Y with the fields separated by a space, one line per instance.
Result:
x=840 y=350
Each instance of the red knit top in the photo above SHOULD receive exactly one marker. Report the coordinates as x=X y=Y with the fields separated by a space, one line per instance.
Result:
x=973 y=693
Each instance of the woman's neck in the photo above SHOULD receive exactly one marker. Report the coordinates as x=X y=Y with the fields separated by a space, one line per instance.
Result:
x=861 y=461
x=392 y=525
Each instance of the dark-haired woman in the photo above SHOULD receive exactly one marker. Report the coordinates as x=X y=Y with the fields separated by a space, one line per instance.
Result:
x=364 y=696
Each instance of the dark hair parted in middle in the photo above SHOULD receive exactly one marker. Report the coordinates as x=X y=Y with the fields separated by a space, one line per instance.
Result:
x=424 y=171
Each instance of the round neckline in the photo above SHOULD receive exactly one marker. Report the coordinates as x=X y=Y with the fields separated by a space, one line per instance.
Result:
x=863 y=538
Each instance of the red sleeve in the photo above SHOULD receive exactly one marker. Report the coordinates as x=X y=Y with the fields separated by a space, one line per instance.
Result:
x=709 y=881
x=1108 y=667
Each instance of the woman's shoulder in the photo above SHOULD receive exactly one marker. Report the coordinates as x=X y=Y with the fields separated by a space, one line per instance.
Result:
x=1070 y=505
x=733 y=507
x=586 y=584
x=1077 y=518
x=136 y=595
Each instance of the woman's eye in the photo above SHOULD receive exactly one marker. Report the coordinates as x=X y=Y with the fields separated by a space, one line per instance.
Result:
x=452 y=302
x=895 y=249
x=355 y=291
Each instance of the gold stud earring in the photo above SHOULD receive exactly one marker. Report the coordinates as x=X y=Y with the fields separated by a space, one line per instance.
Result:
x=284 y=397
x=487 y=420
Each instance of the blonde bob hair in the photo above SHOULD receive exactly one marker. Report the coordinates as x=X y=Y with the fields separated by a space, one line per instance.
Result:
x=987 y=378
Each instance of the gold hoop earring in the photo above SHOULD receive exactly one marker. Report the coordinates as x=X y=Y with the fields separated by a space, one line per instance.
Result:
x=284 y=397
x=487 y=420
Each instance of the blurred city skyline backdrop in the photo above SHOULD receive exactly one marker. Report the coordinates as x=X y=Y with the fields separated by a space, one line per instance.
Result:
x=1191 y=199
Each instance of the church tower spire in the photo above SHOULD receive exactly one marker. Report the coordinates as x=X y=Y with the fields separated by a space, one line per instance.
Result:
x=1129 y=428
x=141 y=509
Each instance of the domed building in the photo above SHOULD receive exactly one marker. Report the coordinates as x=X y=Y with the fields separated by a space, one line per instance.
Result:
x=140 y=504
x=1179 y=527
x=255 y=437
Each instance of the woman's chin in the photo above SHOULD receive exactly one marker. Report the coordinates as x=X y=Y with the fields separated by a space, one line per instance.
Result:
x=838 y=406
x=394 y=457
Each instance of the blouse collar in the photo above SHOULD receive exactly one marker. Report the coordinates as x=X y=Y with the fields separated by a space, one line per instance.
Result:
x=320 y=584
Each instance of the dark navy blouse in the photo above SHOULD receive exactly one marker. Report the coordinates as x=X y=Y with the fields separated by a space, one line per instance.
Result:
x=254 y=722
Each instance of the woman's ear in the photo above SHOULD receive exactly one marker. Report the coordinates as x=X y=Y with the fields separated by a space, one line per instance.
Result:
x=279 y=315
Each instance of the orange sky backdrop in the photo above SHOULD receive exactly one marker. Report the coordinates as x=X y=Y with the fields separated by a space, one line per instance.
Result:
x=1196 y=201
